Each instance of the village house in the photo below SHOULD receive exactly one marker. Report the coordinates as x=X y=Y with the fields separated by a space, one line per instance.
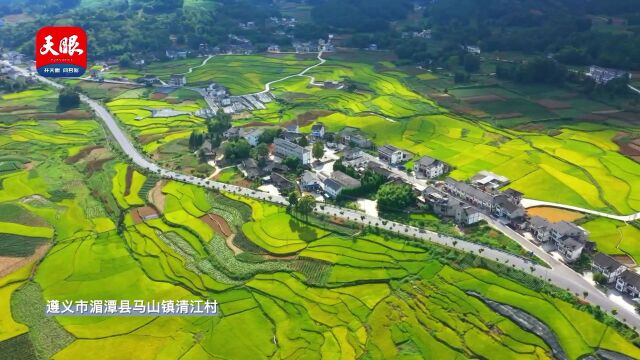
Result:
x=443 y=206
x=392 y=155
x=252 y=135
x=430 y=167
x=332 y=84
x=338 y=182
x=285 y=148
x=607 y=266
x=488 y=181
x=250 y=169
x=505 y=207
x=345 y=180
x=149 y=79
x=318 y=130
x=470 y=194
x=603 y=75
x=309 y=181
x=283 y=184
x=475 y=50
x=629 y=283
x=567 y=238
x=354 y=137
x=206 y=150
x=514 y=195
x=351 y=154
x=273 y=49
x=232 y=132
x=332 y=188
x=178 y=80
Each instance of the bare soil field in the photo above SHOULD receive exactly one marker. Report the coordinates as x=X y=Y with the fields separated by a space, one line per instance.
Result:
x=482 y=98
x=555 y=215
x=551 y=104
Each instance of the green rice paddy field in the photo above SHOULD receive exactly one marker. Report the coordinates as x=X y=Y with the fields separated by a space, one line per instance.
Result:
x=286 y=289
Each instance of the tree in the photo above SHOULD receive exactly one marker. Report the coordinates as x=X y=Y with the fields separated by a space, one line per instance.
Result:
x=260 y=153
x=125 y=60
x=237 y=150
x=395 y=197
x=600 y=278
x=303 y=141
x=471 y=63
x=293 y=200
x=318 y=150
x=305 y=206
x=68 y=99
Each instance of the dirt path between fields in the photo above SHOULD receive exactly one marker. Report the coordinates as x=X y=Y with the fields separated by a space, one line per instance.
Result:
x=156 y=197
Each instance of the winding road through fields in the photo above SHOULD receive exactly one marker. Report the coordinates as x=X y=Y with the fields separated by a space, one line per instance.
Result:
x=558 y=273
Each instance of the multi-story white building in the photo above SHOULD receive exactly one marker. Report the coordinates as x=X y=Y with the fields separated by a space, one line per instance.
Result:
x=285 y=148
x=430 y=167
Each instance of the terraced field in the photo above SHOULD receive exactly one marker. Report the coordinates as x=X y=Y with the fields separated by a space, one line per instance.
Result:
x=247 y=74
x=288 y=288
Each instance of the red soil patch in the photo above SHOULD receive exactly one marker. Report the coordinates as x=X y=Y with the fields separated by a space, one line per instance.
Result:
x=11 y=264
x=71 y=114
x=218 y=224
x=482 y=98
x=96 y=165
x=510 y=115
x=158 y=96
x=530 y=127
x=156 y=197
x=81 y=154
x=8 y=109
x=28 y=166
x=625 y=260
x=256 y=124
x=127 y=181
x=145 y=212
x=553 y=104
x=469 y=111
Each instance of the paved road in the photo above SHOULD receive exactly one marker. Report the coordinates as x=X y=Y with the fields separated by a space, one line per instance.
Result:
x=559 y=274
x=529 y=203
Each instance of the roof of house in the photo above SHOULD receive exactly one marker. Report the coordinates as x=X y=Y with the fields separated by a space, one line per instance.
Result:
x=539 y=222
x=426 y=161
x=566 y=228
x=388 y=149
x=504 y=202
x=469 y=190
x=309 y=177
x=572 y=243
x=606 y=262
x=317 y=126
x=250 y=166
x=332 y=184
x=632 y=278
x=246 y=132
x=512 y=193
x=345 y=180
x=280 y=181
x=378 y=169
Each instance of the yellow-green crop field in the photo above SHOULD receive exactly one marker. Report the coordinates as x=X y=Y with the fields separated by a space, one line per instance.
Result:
x=88 y=226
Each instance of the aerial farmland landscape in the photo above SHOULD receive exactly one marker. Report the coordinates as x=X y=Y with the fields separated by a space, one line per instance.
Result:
x=321 y=179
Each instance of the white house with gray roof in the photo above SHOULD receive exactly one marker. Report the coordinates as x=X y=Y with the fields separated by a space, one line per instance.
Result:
x=430 y=167
x=607 y=266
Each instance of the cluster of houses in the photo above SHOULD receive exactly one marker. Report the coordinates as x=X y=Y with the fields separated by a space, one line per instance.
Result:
x=218 y=98
x=423 y=34
x=617 y=274
x=603 y=75
x=468 y=203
